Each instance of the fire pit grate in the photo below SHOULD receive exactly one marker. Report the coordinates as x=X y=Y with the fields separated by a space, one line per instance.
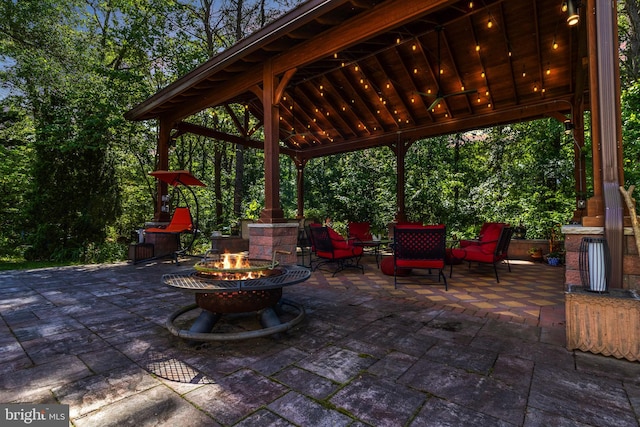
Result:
x=217 y=297
x=195 y=282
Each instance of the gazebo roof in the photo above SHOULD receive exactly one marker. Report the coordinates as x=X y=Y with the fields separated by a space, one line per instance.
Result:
x=365 y=73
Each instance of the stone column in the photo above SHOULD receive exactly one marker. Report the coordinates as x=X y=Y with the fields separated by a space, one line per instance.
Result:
x=266 y=238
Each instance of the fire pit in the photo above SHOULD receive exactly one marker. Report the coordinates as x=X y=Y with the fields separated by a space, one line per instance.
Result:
x=231 y=283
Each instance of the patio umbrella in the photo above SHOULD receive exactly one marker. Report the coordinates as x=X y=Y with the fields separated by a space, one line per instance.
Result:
x=174 y=178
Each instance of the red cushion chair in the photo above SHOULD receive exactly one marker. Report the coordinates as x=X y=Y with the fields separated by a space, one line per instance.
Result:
x=360 y=231
x=181 y=223
x=419 y=246
x=490 y=231
x=331 y=247
x=489 y=252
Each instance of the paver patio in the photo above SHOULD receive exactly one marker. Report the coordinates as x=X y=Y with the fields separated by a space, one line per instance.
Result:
x=93 y=337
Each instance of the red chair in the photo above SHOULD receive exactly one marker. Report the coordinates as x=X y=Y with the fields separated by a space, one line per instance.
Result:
x=487 y=252
x=419 y=246
x=181 y=223
x=360 y=231
x=490 y=231
x=331 y=247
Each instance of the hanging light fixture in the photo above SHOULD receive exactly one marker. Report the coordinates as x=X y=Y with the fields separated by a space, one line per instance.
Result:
x=572 y=13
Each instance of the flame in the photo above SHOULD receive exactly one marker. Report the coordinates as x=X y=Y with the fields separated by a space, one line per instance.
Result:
x=232 y=262
x=228 y=265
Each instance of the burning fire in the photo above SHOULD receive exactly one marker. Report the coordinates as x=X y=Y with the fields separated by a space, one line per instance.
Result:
x=232 y=267
x=232 y=262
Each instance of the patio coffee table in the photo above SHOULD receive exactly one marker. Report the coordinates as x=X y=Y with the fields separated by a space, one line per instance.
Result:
x=375 y=244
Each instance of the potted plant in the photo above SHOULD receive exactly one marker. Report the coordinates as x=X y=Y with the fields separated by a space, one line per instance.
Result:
x=535 y=253
x=553 y=258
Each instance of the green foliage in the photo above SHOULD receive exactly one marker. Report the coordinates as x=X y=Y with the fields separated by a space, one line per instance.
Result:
x=631 y=133
x=74 y=173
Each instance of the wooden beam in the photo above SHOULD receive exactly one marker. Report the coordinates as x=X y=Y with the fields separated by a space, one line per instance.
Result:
x=494 y=118
x=221 y=136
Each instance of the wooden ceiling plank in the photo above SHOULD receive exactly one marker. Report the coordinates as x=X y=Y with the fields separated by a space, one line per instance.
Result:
x=464 y=124
x=333 y=120
x=331 y=101
x=408 y=77
x=383 y=106
x=509 y=54
x=401 y=98
x=433 y=77
x=538 y=41
x=357 y=99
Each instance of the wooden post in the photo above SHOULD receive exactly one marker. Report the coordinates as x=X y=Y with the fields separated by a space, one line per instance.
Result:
x=164 y=138
x=272 y=211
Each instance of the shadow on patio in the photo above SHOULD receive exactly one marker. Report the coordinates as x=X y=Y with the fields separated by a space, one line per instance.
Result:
x=94 y=338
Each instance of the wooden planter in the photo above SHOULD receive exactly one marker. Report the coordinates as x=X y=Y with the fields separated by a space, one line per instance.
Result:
x=607 y=324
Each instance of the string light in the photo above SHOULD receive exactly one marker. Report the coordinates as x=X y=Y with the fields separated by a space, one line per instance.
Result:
x=490 y=22
x=477 y=47
x=555 y=43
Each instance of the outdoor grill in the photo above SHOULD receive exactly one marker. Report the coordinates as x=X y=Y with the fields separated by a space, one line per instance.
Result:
x=225 y=286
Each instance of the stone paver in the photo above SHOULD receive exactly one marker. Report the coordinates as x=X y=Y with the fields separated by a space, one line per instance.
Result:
x=94 y=337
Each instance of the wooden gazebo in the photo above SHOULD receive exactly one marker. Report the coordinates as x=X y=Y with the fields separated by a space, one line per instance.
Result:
x=334 y=76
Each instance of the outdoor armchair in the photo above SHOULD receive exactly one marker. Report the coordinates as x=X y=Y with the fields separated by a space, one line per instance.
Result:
x=332 y=248
x=488 y=252
x=490 y=231
x=360 y=231
x=419 y=246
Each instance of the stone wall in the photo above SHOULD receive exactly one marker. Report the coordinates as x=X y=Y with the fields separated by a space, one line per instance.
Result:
x=573 y=235
x=519 y=248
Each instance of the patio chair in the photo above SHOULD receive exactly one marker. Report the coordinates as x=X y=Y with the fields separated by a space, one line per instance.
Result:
x=490 y=231
x=332 y=248
x=312 y=246
x=360 y=231
x=487 y=252
x=305 y=245
x=419 y=246
x=181 y=223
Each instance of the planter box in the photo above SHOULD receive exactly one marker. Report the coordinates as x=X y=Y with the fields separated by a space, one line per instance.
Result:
x=607 y=324
x=140 y=251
